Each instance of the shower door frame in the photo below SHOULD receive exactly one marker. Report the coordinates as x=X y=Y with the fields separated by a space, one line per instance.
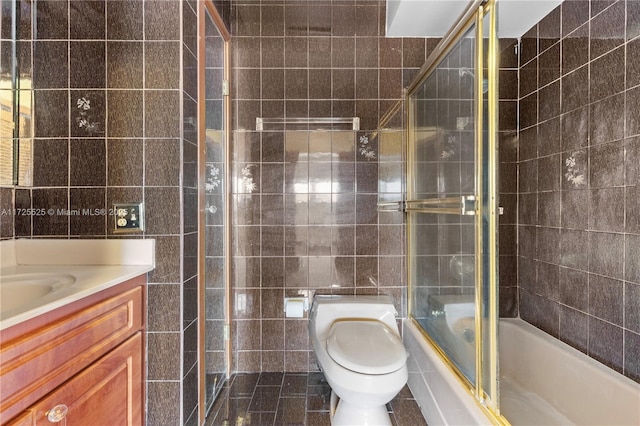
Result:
x=207 y=8
x=485 y=259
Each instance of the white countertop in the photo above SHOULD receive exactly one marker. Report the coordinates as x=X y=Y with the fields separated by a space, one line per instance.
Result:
x=83 y=268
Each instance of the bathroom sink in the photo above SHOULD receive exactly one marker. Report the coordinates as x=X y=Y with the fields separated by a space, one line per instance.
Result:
x=19 y=290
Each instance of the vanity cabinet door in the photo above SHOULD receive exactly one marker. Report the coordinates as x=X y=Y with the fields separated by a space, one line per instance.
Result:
x=108 y=392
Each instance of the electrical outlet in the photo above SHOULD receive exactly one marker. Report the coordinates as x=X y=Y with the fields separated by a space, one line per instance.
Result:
x=129 y=217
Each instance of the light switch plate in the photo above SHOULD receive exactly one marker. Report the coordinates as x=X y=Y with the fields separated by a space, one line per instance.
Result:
x=129 y=217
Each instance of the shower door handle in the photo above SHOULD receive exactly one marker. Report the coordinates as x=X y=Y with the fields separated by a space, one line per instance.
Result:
x=464 y=205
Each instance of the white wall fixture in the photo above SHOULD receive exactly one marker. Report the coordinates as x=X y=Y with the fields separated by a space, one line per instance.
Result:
x=433 y=18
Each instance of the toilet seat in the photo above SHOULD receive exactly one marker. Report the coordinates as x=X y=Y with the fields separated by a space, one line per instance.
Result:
x=365 y=346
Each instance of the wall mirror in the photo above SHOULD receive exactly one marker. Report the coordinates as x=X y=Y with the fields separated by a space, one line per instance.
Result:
x=15 y=94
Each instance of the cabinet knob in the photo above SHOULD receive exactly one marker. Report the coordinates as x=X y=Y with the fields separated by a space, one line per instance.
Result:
x=57 y=413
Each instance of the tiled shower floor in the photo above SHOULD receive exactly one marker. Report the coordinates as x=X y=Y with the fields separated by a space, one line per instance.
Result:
x=291 y=399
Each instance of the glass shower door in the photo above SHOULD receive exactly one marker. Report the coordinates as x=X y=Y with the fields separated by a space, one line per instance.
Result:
x=451 y=203
x=214 y=161
x=440 y=204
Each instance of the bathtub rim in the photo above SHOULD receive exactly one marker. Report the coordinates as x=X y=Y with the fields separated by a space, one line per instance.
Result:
x=458 y=383
x=615 y=393
x=519 y=322
x=460 y=390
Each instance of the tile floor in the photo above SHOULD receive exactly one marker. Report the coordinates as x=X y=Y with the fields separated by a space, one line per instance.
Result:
x=291 y=399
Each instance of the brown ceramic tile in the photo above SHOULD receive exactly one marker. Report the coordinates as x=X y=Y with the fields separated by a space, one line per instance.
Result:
x=343 y=209
x=7 y=203
x=320 y=52
x=574 y=14
x=529 y=45
x=273 y=52
x=161 y=163
x=549 y=65
x=573 y=328
x=52 y=20
x=607 y=30
x=87 y=64
x=157 y=394
x=606 y=75
x=125 y=22
x=273 y=84
x=160 y=22
x=631 y=347
x=126 y=119
x=272 y=273
x=574 y=90
x=87 y=19
x=162 y=60
x=274 y=329
x=631 y=312
x=390 y=50
x=51 y=203
x=245 y=48
x=606 y=254
x=342 y=240
x=296 y=17
x=22 y=225
x=164 y=356
x=89 y=203
x=413 y=52
x=549 y=29
x=124 y=64
x=87 y=162
x=607 y=209
x=605 y=343
x=162 y=316
x=575 y=49
x=575 y=128
x=51 y=69
x=162 y=210
x=51 y=113
x=632 y=113
x=549 y=101
x=162 y=118
x=366 y=52
x=47 y=152
x=632 y=263
x=549 y=139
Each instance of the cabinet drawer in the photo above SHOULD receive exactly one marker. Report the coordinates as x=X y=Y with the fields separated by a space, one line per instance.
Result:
x=107 y=393
x=35 y=364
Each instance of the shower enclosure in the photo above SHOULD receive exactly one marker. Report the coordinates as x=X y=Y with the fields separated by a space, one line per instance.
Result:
x=451 y=202
x=214 y=232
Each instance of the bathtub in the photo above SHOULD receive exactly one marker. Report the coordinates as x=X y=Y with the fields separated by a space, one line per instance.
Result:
x=542 y=382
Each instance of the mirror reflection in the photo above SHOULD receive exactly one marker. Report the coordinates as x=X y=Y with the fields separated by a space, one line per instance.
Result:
x=15 y=94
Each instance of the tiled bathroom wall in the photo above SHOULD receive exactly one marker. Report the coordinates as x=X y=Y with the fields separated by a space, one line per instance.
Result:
x=578 y=188
x=189 y=194
x=507 y=177
x=305 y=219
x=305 y=198
x=318 y=59
x=109 y=106
x=6 y=213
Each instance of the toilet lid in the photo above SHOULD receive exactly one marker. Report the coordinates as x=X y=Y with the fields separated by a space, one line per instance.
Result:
x=368 y=347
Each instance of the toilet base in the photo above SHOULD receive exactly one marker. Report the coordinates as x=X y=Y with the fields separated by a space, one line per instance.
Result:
x=345 y=414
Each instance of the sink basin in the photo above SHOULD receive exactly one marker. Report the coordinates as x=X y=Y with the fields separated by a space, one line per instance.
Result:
x=20 y=290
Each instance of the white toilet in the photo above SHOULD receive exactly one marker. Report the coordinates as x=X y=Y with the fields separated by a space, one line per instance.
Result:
x=359 y=349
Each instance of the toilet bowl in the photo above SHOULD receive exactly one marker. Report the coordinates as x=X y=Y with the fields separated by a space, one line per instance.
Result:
x=358 y=347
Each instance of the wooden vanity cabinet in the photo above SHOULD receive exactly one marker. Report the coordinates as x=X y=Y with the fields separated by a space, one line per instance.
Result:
x=85 y=368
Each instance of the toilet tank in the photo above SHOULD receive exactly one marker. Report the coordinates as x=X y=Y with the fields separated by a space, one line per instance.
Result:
x=327 y=309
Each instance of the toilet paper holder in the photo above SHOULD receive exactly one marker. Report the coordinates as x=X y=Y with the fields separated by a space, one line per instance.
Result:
x=296 y=301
